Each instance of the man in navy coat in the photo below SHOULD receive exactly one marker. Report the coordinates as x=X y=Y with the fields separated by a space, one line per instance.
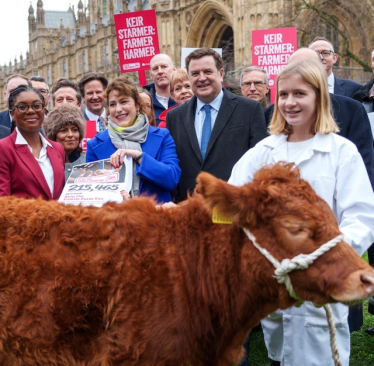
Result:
x=336 y=85
x=235 y=123
x=162 y=68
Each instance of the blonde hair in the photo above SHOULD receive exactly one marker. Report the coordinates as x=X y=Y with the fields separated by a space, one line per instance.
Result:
x=312 y=72
x=178 y=76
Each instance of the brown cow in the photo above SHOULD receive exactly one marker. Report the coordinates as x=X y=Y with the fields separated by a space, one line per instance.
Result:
x=131 y=284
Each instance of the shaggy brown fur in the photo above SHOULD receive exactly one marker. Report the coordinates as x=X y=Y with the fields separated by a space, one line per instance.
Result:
x=131 y=284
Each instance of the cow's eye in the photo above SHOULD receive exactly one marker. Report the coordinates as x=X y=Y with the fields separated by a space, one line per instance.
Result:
x=298 y=230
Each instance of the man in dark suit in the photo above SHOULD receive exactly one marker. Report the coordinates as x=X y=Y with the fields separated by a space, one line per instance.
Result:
x=215 y=128
x=92 y=87
x=12 y=82
x=336 y=85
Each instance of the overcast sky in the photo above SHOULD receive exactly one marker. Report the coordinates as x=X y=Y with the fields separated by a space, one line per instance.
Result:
x=14 y=31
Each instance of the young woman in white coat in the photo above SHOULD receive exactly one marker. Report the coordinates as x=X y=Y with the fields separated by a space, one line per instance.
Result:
x=302 y=132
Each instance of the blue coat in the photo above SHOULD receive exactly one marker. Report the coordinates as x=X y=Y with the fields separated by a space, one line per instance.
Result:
x=159 y=169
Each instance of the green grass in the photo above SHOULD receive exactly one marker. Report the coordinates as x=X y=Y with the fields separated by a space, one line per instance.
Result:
x=362 y=345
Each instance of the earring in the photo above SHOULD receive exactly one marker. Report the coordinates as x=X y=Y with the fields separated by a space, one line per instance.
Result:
x=137 y=112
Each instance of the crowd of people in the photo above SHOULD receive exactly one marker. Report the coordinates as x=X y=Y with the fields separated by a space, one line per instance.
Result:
x=185 y=122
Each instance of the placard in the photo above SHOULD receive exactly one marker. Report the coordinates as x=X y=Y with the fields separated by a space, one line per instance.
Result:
x=137 y=39
x=271 y=49
x=97 y=182
x=90 y=134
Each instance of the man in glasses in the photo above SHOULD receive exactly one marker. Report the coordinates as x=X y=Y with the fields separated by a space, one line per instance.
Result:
x=38 y=82
x=254 y=82
x=12 y=82
x=328 y=56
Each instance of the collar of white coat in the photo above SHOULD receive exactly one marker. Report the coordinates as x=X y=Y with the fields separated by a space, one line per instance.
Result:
x=278 y=145
x=320 y=142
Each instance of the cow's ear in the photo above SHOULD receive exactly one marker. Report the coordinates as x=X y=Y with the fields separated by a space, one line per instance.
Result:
x=233 y=202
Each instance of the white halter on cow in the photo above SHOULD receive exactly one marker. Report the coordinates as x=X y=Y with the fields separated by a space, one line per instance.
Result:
x=301 y=262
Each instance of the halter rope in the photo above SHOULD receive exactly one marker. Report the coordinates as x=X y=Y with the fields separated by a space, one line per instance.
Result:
x=302 y=261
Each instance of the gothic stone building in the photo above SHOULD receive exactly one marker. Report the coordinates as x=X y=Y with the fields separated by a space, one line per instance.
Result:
x=72 y=43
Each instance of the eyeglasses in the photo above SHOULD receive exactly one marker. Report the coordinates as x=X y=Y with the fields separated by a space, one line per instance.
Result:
x=23 y=108
x=325 y=54
x=44 y=91
x=257 y=84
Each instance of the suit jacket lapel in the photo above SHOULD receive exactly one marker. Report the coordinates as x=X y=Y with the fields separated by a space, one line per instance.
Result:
x=188 y=120
x=227 y=107
x=29 y=160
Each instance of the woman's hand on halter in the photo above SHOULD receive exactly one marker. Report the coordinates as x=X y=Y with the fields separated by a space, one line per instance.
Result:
x=116 y=159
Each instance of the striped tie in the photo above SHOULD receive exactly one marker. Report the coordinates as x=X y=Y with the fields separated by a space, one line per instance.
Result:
x=101 y=124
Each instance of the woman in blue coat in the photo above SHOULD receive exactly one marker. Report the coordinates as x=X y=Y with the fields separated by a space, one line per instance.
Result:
x=155 y=162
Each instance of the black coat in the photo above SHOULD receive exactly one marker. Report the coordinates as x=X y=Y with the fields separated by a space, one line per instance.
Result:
x=240 y=124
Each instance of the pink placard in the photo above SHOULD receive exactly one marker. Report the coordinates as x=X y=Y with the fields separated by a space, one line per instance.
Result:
x=137 y=39
x=90 y=134
x=271 y=49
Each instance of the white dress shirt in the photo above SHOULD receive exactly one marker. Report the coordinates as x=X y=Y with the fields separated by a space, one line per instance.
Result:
x=200 y=114
x=163 y=100
x=331 y=82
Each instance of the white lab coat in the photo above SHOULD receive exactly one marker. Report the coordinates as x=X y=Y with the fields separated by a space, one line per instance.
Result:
x=334 y=168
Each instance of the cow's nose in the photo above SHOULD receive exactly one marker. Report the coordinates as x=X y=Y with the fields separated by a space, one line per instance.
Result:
x=367 y=280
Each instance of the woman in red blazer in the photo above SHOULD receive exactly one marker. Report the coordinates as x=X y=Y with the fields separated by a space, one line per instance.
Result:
x=30 y=164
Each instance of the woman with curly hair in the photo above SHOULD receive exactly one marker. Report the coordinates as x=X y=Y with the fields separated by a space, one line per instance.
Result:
x=65 y=124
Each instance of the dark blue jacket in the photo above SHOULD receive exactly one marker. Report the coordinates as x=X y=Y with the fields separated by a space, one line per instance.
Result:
x=5 y=119
x=159 y=170
x=157 y=106
x=345 y=87
x=4 y=131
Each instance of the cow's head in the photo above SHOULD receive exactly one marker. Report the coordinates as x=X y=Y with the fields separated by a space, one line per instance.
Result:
x=287 y=218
